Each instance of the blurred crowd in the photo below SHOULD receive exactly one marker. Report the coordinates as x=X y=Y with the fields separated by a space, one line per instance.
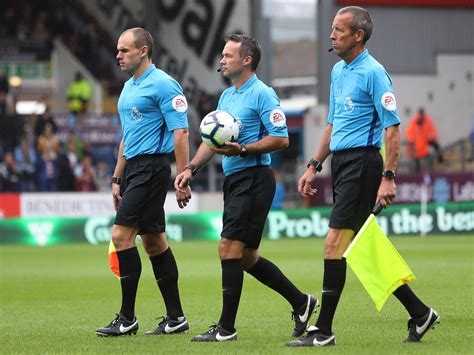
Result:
x=33 y=158
x=34 y=24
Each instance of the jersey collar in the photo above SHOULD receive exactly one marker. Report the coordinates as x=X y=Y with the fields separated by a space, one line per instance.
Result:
x=247 y=84
x=359 y=59
x=144 y=75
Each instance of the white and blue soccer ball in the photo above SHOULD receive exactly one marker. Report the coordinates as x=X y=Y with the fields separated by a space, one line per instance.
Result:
x=219 y=127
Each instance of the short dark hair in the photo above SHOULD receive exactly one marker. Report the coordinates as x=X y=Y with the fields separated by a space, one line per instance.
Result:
x=248 y=47
x=142 y=38
x=360 y=20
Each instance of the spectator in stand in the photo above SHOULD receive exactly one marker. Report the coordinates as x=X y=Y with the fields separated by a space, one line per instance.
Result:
x=42 y=120
x=78 y=94
x=102 y=176
x=76 y=144
x=73 y=156
x=85 y=181
x=11 y=127
x=48 y=149
x=65 y=174
x=420 y=134
x=9 y=175
x=25 y=156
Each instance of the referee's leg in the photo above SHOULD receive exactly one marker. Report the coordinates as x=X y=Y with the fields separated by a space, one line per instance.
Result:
x=166 y=274
x=130 y=266
x=125 y=263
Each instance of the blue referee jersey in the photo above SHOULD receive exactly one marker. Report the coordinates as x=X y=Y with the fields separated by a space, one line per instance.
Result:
x=150 y=108
x=361 y=103
x=257 y=108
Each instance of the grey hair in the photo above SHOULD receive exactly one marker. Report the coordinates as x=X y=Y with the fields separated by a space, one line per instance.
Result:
x=360 y=20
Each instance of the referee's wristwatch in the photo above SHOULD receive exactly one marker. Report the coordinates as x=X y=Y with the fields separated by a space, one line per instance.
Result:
x=316 y=164
x=194 y=169
x=389 y=174
x=243 y=151
x=115 y=180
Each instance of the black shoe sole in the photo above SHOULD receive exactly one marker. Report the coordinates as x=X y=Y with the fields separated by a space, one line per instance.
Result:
x=134 y=332
x=163 y=333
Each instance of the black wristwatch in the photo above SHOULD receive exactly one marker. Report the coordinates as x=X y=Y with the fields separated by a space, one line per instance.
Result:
x=115 y=180
x=243 y=151
x=317 y=165
x=194 y=169
x=389 y=174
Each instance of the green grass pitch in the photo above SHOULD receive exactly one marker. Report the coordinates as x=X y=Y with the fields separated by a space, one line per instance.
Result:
x=53 y=298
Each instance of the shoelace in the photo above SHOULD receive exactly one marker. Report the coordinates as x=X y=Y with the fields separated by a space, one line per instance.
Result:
x=116 y=319
x=212 y=328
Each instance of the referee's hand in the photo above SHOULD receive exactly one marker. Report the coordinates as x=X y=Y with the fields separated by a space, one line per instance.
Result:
x=183 y=197
x=181 y=183
x=387 y=192
x=116 y=196
x=305 y=183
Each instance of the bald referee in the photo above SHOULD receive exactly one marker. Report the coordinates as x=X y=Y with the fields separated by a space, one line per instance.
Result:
x=361 y=106
x=153 y=113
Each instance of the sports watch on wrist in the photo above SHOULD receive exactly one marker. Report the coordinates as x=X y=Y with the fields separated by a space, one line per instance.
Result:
x=389 y=174
x=243 y=151
x=115 y=180
x=316 y=164
x=194 y=169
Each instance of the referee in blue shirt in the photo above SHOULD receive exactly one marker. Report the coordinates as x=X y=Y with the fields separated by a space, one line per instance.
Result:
x=361 y=105
x=249 y=187
x=153 y=113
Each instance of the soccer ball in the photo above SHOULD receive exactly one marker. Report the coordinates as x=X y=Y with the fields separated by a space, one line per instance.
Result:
x=218 y=127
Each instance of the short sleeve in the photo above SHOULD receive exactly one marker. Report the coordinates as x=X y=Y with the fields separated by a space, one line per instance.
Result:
x=271 y=114
x=173 y=104
x=381 y=91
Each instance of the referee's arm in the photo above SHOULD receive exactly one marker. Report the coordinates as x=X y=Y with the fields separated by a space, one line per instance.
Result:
x=181 y=148
x=118 y=173
x=120 y=161
x=388 y=188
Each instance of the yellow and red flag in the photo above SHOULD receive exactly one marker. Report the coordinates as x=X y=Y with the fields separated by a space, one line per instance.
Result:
x=113 y=260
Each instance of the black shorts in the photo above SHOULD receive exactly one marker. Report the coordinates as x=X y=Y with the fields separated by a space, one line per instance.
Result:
x=356 y=176
x=145 y=185
x=248 y=196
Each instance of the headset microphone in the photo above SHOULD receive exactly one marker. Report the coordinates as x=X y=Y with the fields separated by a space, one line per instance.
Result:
x=330 y=49
x=117 y=63
x=219 y=70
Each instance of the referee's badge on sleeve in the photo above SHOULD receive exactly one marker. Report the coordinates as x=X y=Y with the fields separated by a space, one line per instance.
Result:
x=388 y=101
x=277 y=118
x=179 y=103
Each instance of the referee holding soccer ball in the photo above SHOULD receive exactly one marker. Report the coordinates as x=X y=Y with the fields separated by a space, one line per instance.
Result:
x=249 y=187
x=361 y=106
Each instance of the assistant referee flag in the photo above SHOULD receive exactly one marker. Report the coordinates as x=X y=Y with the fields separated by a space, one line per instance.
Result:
x=377 y=263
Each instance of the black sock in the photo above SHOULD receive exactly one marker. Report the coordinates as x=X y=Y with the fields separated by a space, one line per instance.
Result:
x=232 y=281
x=270 y=275
x=166 y=275
x=415 y=307
x=130 y=269
x=333 y=284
